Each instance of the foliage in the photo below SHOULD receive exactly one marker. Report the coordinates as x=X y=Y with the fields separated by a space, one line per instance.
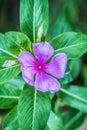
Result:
x=31 y=109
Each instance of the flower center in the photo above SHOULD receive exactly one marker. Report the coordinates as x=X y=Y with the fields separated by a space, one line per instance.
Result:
x=39 y=67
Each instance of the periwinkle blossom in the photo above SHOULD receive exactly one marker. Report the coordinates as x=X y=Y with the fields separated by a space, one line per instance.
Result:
x=41 y=70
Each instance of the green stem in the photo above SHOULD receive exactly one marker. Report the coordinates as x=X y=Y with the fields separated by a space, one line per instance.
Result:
x=73 y=95
x=8 y=53
x=8 y=97
x=78 y=115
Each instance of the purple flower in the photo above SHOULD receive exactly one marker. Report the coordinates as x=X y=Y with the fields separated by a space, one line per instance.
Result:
x=39 y=70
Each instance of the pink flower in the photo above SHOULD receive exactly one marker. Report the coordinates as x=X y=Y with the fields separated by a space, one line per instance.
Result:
x=39 y=70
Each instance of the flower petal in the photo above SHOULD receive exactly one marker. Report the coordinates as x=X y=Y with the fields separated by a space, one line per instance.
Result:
x=45 y=83
x=43 y=51
x=57 y=65
x=28 y=74
x=26 y=58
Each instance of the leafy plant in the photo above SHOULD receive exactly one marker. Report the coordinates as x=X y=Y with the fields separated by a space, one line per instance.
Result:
x=32 y=109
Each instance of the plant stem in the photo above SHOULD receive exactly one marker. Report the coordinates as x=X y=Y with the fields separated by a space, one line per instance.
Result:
x=8 y=97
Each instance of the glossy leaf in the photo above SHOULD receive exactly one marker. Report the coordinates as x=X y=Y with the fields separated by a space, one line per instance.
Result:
x=34 y=18
x=72 y=71
x=75 y=67
x=72 y=43
x=3 y=52
x=9 y=95
x=11 y=120
x=67 y=77
x=71 y=118
x=75 y=96
x=54 y=122
x=7 y=73
x=15 y=42
x=33 y=109
x=18 y=82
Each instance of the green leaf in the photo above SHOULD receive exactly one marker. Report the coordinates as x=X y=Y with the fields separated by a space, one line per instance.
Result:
x=67 y=77
x=7 y=73
x=10 y=45
x=61 y=25
x=3 y=60
x=1 y=40
x=9 y=95
x=72 y=71
x=34 y=18
x=84 y=73
x=72 y=43
x=15 y=42
x=11 y=120
x=71 y=118
x=54 y=122
x=3 y=51
x=75 y=67
x=75 y=96
x=33 y=109
x=18 y=81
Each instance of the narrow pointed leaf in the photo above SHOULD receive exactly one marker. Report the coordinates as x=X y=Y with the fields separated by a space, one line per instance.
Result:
x=72 y=43
x=33 y=109
x=34 y=18
x=75 y=96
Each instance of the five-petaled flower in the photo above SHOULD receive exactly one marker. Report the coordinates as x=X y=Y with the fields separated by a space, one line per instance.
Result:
x=41 y=70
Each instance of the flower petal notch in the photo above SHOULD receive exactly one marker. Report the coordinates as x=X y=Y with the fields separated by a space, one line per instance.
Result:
x=41 y=72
